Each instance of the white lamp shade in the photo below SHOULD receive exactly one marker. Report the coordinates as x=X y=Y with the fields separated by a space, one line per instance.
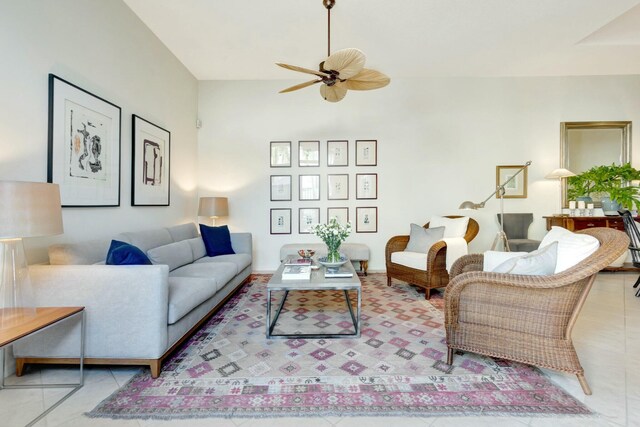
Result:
x=29 y=209
x=213 y=206
x=559 y=173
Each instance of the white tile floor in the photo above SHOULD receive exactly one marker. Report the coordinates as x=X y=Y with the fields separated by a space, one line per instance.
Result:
x=607 y=337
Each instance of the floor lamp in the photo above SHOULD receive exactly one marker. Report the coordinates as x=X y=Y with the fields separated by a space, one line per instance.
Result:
x=213 y=207
x=28 y=209
x=500 y=192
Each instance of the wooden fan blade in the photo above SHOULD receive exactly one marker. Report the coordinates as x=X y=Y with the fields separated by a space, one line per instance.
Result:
x=367 y=80
x=333 y=93
x=348 y=62
x=300 y=86
x=301 y=69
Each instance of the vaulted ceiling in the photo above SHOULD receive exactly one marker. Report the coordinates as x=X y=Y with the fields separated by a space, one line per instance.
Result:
x=242 y=39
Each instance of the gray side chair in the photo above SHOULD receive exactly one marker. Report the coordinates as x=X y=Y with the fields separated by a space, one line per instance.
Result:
x=516 y=227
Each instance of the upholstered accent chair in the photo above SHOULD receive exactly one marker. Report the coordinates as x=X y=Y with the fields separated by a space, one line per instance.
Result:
x=516 y=227
x=527 y=319
x=435 y=274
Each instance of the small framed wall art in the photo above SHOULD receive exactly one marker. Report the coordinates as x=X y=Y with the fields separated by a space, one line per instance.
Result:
x=308 y=153
x=280 y=154
x=338 y=187
x=280 y=188
x=367 y=220
x=517 y=187
x=341 y=214
x=150 y=164
x=307 y=217
x=280 y=221
x=338 y=153
x=366 y=186
x=367 y=152
x=84 y=146
x=309 y=187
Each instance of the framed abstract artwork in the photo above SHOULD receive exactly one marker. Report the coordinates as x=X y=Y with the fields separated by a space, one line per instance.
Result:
x=84 y=146
x=309 y=187
x=280 y=221
x=308 y=153
x=338 y=187
x=341 y=214
x=280 y=154
x=367 y=152
x=367 y=220
x=307 y=217
x=280 y=188
x=517 y=187
x=337 y=153
x=150 y=164
x=366 y=186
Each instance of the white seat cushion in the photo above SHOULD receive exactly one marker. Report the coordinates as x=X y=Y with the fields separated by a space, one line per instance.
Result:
x=221 y=272
x=186 y=293
x=572 y=247
x=241 y=261
x=415 y=260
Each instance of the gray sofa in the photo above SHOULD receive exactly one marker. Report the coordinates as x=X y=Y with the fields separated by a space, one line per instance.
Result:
x=135 y=314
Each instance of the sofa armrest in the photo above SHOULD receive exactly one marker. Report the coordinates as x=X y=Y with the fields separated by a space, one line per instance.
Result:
x=126 y=310
x=241 y=243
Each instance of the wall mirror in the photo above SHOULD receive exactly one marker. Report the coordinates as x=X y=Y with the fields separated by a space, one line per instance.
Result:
x=587 y=144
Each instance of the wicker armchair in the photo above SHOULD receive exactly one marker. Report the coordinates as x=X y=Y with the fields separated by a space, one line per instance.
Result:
x=436 y=275
x=527 y=319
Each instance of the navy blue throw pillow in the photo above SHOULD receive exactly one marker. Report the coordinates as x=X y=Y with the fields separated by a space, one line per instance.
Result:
x=121 y=253
x=217 y=240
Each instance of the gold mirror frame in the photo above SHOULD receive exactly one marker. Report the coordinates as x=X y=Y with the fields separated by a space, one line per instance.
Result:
x=565 y=127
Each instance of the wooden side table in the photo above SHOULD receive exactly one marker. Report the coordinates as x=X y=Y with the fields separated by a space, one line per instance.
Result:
x=18 y=323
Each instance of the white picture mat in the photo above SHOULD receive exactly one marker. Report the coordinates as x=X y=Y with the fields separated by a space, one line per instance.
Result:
x=76 y=191
x=280 y=187
x=280 y=221
x=338 y=187
x=366 y=186
x=341 y=214
x=309 y=187
x=145 y=194
x=366 y=152
x=366 y=220
x=338 y=153
x=308 y=153
x=280 y=154
x=307 y=218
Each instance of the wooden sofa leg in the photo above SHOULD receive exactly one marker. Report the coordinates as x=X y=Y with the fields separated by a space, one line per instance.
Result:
x=449 y=356
x=427 y=294
x=155 y=367
x=388 y=280
x=364 y=265
x=19 y=367
x=584 y=385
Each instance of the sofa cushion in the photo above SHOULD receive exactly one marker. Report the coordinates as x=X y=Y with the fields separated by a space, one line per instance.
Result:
x=197 y=247
x=217 y=240
x=541 y=262
x=421 y=239
x=121 y=253
x=453 y=227
x=220 y=272
x=83 y=253
x=183 y=231
x=174 y=254
x=417 y=260
x=147 y=239
x=572 y=247
x=186 y=293
x=241 y=261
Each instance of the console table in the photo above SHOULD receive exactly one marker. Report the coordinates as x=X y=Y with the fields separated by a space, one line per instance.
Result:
x=575 y=223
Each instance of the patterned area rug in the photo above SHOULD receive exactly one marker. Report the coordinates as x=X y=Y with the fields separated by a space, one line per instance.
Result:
x=397 y=367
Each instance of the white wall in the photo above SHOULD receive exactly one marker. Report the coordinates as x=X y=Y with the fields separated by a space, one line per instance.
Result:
x=101 y=46
x=439 y=140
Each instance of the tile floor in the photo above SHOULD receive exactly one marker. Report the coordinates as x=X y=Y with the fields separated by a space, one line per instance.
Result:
x=607 y=337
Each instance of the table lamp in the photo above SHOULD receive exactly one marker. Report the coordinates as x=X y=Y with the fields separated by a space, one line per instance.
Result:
x=27 y=209
x=559 y=174
x=213 y=207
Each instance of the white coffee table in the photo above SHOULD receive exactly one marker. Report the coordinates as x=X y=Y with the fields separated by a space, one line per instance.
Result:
x=317 y=282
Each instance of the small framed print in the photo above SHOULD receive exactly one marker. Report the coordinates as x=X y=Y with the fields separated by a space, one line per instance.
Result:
x=338 y=187
x=280 y=154
x=280 y=188
x=517 y=187
x=281 y=221
x=337 y=153
x=150 y=164
x=367 y=220
x=341 y=214
x=308 y=153
x=307 y=217
x=309 y=187
x=366 y=186
x=367 y=152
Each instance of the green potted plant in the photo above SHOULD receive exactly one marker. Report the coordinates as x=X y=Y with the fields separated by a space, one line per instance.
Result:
x=611 y=182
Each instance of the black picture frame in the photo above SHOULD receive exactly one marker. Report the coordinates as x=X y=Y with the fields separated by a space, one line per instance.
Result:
x=366 y=152
x=303 y=225
x=150 y=163
x=277 y=193
x=280 y=221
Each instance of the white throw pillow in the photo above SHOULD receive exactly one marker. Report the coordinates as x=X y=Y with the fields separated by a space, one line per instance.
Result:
x=453 y=227
x=492 y=259
x=421 y=239
x=572 y=247
x=541 y=262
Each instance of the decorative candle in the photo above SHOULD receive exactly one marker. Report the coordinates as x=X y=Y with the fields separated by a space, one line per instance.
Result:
x=581 y=204
x=589 y=205
x=572 y=204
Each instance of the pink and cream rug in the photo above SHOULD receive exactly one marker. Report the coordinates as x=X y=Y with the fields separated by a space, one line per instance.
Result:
x=397 y=367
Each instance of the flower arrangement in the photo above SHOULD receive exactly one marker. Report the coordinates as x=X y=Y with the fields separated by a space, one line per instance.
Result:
x=332 y=234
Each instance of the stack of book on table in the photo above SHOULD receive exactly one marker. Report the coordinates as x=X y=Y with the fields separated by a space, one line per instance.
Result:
x=296 y=269
x=337 y=272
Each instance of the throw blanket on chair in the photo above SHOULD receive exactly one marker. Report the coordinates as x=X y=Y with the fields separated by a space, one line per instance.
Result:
x=456 y=248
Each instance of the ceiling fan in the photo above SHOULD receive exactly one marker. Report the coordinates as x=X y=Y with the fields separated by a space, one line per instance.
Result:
x=341 y=71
